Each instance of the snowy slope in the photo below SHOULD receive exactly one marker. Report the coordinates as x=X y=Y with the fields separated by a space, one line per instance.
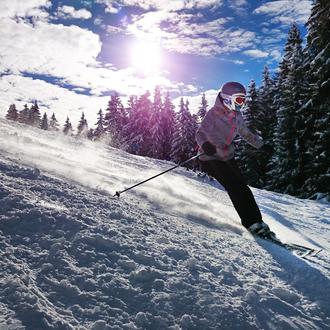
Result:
x=168 y=255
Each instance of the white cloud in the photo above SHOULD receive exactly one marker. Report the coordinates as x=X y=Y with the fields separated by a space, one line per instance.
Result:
x=113 y=29
x=98 y=21
x=276 y=54
x=68 y=53
x=286 y=11
x=195 y=101
x=46 y=48
x=26 y=8
x=110 y=6
x=190 y=34
x=256 y=53
x=69 y=12
x=240 y=7
x=114 y=6
x=239 y=62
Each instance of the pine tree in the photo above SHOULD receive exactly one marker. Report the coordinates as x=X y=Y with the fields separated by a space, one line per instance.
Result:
x=202 y=109
x=23 y=116
x=298 y=89
x=44 y=122
x=168 y=122
x=115 y=120
x=190 y=126
x=284 y=160
x=138 y=131
x=317 y=105
x=12 y=113
x=131 y=110
x=267 y=123
x=249 y=158
x=67 y=129
x=100 y=131
x=82 y=129
x=183 y=146
x=90 y=134
x=53 y=123
x=156 y=122
x=176 y=150
x=34 y=115
x=266 y=105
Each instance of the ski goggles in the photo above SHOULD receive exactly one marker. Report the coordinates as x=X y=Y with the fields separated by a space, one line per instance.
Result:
x=234 y=102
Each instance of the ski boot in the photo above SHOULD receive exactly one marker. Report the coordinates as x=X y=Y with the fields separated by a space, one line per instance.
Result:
x=262 y=230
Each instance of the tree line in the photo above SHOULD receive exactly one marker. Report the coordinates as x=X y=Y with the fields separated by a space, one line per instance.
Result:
x=144 y=127
x=290 y=110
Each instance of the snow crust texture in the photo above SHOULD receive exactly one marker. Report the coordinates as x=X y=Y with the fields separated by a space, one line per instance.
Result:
x=72 y=257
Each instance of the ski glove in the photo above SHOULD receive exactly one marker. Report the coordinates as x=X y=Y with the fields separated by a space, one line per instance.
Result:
x=209 y=148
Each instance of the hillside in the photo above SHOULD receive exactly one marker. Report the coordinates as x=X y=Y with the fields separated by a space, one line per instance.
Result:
x=168 y=255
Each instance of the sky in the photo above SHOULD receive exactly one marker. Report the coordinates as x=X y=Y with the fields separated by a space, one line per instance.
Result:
x=72 y=55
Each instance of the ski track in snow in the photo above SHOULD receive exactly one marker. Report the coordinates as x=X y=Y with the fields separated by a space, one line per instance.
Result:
x=167 y=255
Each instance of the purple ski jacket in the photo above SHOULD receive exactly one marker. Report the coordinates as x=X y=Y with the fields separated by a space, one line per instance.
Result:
x=220 y=126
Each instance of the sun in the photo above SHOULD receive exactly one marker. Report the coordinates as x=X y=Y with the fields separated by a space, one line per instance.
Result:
x=146 y=56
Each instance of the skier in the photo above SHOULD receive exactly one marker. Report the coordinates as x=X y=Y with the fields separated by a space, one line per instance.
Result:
x=215 y=138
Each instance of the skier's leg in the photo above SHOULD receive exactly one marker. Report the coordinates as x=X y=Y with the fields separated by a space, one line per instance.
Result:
x=229 y=175
x=242 y=197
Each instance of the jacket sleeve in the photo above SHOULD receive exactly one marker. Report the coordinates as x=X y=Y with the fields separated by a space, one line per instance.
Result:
x=201 y=135
x=251 y=138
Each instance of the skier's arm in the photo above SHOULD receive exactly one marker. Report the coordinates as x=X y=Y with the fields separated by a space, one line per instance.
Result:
x=201 y=136
x=253 y=139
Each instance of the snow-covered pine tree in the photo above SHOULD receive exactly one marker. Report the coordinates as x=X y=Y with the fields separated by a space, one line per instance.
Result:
x=249 y=157
x=191 y=127
x=90 y=134
x=317 y=105
x=100 y=130
x=23 y=116
x=114 y=120
x=67 y=129
x=131 y=109
x=34 y=115
x=284 y=161
x=176 y=154
x=267 y=123
x=266 y=104
x=82 y=129
x=12 y=113
x=131 y=104
x=44 y=122
x=168 y=122
x=156 y=125
x=183 y=146
x=202 y=109
x=138 y=136
x=53 y=123
x=298 y=87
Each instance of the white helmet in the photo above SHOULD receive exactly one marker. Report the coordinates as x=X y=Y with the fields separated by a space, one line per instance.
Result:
x=233 y=96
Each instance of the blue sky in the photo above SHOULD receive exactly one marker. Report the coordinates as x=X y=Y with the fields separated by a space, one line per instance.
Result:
x=71 y=55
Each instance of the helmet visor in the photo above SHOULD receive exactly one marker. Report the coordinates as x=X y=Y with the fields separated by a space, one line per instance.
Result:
x=238 y=99
x=235 y=102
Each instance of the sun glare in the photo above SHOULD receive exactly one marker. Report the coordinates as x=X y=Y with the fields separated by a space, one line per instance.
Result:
x=146 y=56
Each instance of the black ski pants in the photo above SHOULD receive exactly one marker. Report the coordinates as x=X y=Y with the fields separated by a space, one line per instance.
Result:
x=230 y=177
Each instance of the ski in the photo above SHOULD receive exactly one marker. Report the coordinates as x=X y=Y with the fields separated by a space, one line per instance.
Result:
x=297 y=249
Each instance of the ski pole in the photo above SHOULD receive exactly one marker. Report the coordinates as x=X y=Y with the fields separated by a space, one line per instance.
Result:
x=155 y=176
